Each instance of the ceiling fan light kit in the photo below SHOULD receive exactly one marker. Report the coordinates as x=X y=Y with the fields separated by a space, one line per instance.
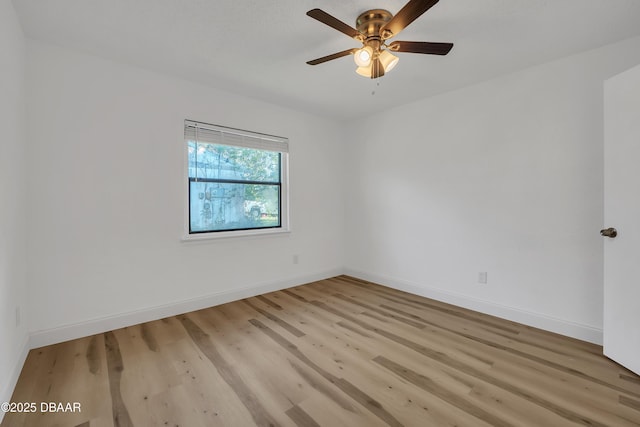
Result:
x=363 y=56
x=388 y=60
x=364 y=71
x=373 y=28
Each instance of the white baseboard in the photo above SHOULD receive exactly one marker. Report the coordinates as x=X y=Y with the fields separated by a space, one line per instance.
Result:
x=7 y=392
x=109 y=323
x=537 y=320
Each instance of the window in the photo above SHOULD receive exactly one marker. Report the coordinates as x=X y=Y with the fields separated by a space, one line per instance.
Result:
x=236 y=181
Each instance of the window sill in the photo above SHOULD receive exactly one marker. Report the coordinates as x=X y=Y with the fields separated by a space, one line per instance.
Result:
x=199 y=237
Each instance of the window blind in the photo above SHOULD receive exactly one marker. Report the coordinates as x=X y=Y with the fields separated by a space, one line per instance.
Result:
x=213 y=134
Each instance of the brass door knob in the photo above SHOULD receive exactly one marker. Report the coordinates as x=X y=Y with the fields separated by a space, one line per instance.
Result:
x=609 y=232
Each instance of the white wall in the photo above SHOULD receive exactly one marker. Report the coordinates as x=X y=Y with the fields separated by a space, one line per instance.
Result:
x=504 y=177
x=13 y=292
x=106 y=197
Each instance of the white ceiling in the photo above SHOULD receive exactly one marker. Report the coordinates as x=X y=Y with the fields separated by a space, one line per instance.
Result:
x=259 y=48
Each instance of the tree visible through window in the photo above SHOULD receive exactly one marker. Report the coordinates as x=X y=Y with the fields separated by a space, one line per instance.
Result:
x=235 y=179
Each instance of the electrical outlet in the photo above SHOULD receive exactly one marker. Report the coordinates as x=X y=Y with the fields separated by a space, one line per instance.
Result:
x=295 y=259
x=482 y=277
x=17 y=316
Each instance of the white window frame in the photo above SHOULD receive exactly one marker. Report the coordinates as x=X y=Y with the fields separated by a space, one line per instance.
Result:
x=258 y=141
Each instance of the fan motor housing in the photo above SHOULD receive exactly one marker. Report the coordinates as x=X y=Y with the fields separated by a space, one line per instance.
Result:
x=370 y=22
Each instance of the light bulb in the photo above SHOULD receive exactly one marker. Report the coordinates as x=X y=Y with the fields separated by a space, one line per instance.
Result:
x=363 y=56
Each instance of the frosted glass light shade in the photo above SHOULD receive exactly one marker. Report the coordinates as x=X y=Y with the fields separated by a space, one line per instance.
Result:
x=364 y=71
x=388 y=60
x=363 y=56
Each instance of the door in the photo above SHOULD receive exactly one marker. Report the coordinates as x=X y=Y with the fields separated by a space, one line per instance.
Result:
x=622 y=211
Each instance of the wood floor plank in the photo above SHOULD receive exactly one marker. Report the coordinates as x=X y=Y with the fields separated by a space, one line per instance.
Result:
x=260 y=415
x=320 y=409
x=269 y=302
x=301 y=418
x=293 y=294
x=147 y=336
x=147 y=374
x=93 y=355
x=632 y=379
x=292 y=329
x=202 y=391
x=349 y=389
x=115 y=366
x=631 y=403
x=443 y=393
x=577 y=397
x=272 y=380
x=337 y=352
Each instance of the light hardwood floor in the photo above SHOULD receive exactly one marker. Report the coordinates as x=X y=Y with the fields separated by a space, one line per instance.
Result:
x=339 y=352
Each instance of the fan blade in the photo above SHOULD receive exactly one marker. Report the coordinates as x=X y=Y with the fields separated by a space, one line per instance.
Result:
x=334 y=56
x=377 y=70
x=409 y=13
x=335 y=23
x=421 y=47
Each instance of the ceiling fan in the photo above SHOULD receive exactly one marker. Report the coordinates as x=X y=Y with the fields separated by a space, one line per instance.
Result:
x=373 y=29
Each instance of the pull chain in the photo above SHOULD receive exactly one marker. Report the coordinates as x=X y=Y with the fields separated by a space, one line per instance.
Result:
x=373 y=92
